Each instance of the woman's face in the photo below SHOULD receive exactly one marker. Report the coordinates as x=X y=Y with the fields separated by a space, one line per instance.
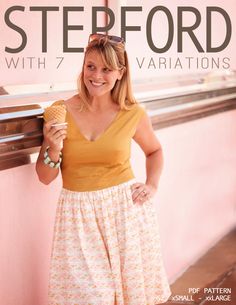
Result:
x=98 y=79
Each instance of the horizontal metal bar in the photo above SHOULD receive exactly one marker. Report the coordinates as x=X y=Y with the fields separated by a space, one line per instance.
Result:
x=7 y=139
x=20 y=114
x=21 y=135
x=187 y=106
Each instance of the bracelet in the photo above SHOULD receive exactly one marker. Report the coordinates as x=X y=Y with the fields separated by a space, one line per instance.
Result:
x=47 y=160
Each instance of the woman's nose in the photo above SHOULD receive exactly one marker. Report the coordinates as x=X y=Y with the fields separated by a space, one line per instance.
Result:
x=97 y=75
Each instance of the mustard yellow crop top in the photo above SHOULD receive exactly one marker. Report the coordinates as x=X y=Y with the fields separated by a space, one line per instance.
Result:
x=93 y=165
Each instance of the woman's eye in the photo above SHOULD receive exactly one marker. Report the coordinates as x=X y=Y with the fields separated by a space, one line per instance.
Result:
x=92 y=67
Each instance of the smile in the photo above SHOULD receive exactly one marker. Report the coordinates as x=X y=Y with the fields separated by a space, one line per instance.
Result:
x=96 y=84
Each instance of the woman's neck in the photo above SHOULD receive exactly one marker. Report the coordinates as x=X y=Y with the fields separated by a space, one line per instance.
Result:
x=101 y=103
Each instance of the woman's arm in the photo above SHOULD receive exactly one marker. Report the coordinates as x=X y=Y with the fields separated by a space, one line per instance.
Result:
x=53 y=137
x=152 y=149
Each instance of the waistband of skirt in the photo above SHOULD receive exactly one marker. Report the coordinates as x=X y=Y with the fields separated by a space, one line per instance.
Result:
x=122 y=185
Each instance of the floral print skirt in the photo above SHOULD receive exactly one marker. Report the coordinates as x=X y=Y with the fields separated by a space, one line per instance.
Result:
x=106 y=250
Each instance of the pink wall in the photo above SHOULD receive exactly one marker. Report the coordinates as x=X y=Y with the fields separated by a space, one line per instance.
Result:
x=195 y=206
x=196 y=201
x=27 y=210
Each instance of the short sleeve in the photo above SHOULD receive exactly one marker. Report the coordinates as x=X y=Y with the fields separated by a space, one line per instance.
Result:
x=138 y=113
x=141 y=111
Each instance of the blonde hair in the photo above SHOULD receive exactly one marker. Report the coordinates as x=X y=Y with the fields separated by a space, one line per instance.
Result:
x=114 y=56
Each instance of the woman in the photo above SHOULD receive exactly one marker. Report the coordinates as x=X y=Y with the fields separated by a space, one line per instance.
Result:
x=106 y=246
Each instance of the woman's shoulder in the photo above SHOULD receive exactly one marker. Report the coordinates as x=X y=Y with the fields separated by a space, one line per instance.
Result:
x=133 y=114
x=137 y=109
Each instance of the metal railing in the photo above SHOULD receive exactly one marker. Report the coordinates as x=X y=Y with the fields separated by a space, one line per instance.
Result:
x=21 y=126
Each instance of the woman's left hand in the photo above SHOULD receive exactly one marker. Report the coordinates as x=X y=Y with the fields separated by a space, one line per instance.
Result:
x=141 y=192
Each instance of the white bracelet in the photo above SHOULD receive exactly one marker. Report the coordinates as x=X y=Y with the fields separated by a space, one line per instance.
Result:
x=47 y=160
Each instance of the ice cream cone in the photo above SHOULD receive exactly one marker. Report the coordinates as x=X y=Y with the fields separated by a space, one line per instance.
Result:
x=57 y=112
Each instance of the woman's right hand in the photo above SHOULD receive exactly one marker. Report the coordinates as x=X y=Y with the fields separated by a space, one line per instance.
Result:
x=54 y=135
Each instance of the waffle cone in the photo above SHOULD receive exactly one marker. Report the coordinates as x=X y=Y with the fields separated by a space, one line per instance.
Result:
x=57 y=112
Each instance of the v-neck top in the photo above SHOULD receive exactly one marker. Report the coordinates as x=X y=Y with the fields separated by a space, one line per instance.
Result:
x=93 y=165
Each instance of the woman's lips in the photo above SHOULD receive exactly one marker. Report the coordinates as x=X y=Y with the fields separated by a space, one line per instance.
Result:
x=97 y=84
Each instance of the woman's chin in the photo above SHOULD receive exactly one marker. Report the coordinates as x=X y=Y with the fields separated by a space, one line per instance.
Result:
x=96 y=93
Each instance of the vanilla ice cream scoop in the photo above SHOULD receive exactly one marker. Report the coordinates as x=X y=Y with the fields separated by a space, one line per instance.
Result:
x=57 y=112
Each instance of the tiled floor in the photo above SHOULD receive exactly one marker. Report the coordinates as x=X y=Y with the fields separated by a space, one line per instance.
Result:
x=216 y=269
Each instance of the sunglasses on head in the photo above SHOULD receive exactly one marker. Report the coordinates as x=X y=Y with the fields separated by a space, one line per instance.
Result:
x=112 y=38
